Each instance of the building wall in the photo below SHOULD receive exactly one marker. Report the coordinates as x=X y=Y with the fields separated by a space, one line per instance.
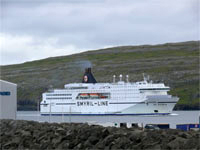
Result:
x=8 y=100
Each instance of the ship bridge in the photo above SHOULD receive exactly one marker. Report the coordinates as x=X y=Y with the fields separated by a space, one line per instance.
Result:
x=144 y=85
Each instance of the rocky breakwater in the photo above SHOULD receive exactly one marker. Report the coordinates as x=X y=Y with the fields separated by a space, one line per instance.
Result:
x=34 y=135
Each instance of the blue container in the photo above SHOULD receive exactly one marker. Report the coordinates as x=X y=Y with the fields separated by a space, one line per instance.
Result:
x=184 y=127
x=194 y=125
x=187 y=127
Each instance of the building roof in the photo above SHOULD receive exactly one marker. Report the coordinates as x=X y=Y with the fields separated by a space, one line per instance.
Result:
x=8 y=82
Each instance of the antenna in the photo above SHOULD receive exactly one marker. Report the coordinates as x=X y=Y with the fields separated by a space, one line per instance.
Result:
x=120 y=77
x=114 y=78
x=127 y=76
x=144 y=77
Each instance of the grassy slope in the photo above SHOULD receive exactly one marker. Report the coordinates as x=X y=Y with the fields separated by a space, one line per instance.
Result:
x=176 y=64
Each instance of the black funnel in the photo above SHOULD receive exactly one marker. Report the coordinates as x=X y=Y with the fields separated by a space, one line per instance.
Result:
x=88 y=77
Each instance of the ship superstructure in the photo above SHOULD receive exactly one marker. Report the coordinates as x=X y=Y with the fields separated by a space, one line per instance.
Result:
x=117 y=98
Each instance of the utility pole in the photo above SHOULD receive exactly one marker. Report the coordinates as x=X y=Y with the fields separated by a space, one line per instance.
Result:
x=50 y=111
x=62 y=114
x=69 y=114
x=38 y=109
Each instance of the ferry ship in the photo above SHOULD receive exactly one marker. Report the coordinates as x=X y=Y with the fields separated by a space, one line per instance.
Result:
x=117 y=98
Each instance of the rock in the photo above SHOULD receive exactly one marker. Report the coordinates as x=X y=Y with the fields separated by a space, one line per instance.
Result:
x=156 y=147
x=100 y=145
x=34 y=135
x=171 y=137
x=25 y=133
x=16 y=140
x=184 y=135
x=135 y=135
x=192 y=144
x=63 y=145
x=105 y=133
x=93 y=139
x=57 y=140
x=60 y=129
x=44 y=145
x=79 y=146
x=176 y=143
x=123 y=142
x=109 y=139
x=87 y=144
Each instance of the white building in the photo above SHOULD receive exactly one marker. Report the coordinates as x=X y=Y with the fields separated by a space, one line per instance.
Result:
x=8 y=100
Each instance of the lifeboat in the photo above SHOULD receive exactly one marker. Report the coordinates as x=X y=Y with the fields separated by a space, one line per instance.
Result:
x=84 y=95
x=103 y=96
x=94 y=95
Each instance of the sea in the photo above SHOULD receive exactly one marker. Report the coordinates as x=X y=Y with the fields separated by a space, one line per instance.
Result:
x=177 y=117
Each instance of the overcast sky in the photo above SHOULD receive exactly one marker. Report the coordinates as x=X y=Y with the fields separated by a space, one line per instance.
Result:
x=36 y=29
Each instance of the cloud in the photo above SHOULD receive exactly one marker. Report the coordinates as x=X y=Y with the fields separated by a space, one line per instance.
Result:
x=71 y=26
x=22 y=48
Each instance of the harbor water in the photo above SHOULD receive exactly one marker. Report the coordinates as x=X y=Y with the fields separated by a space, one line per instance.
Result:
x=177 y=117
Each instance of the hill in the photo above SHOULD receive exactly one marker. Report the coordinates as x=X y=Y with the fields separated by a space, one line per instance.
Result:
x=175 y=64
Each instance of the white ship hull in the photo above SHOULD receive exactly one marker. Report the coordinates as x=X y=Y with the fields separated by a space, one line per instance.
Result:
x=152 y=105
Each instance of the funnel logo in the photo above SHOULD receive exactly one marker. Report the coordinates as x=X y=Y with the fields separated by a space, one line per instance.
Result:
x=85 y=78
x=88 y=77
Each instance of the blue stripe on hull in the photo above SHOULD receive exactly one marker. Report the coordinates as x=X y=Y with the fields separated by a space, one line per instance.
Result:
x=149 y=114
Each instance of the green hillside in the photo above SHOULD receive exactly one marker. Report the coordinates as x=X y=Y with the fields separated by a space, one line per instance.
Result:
x=175 y=64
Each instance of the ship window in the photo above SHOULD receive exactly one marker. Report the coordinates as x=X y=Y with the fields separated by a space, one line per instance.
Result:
x=58 y=94
x=75 y=88
x=154 y=89
x=155 y=111
x=57 y=98
x=93 y=96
